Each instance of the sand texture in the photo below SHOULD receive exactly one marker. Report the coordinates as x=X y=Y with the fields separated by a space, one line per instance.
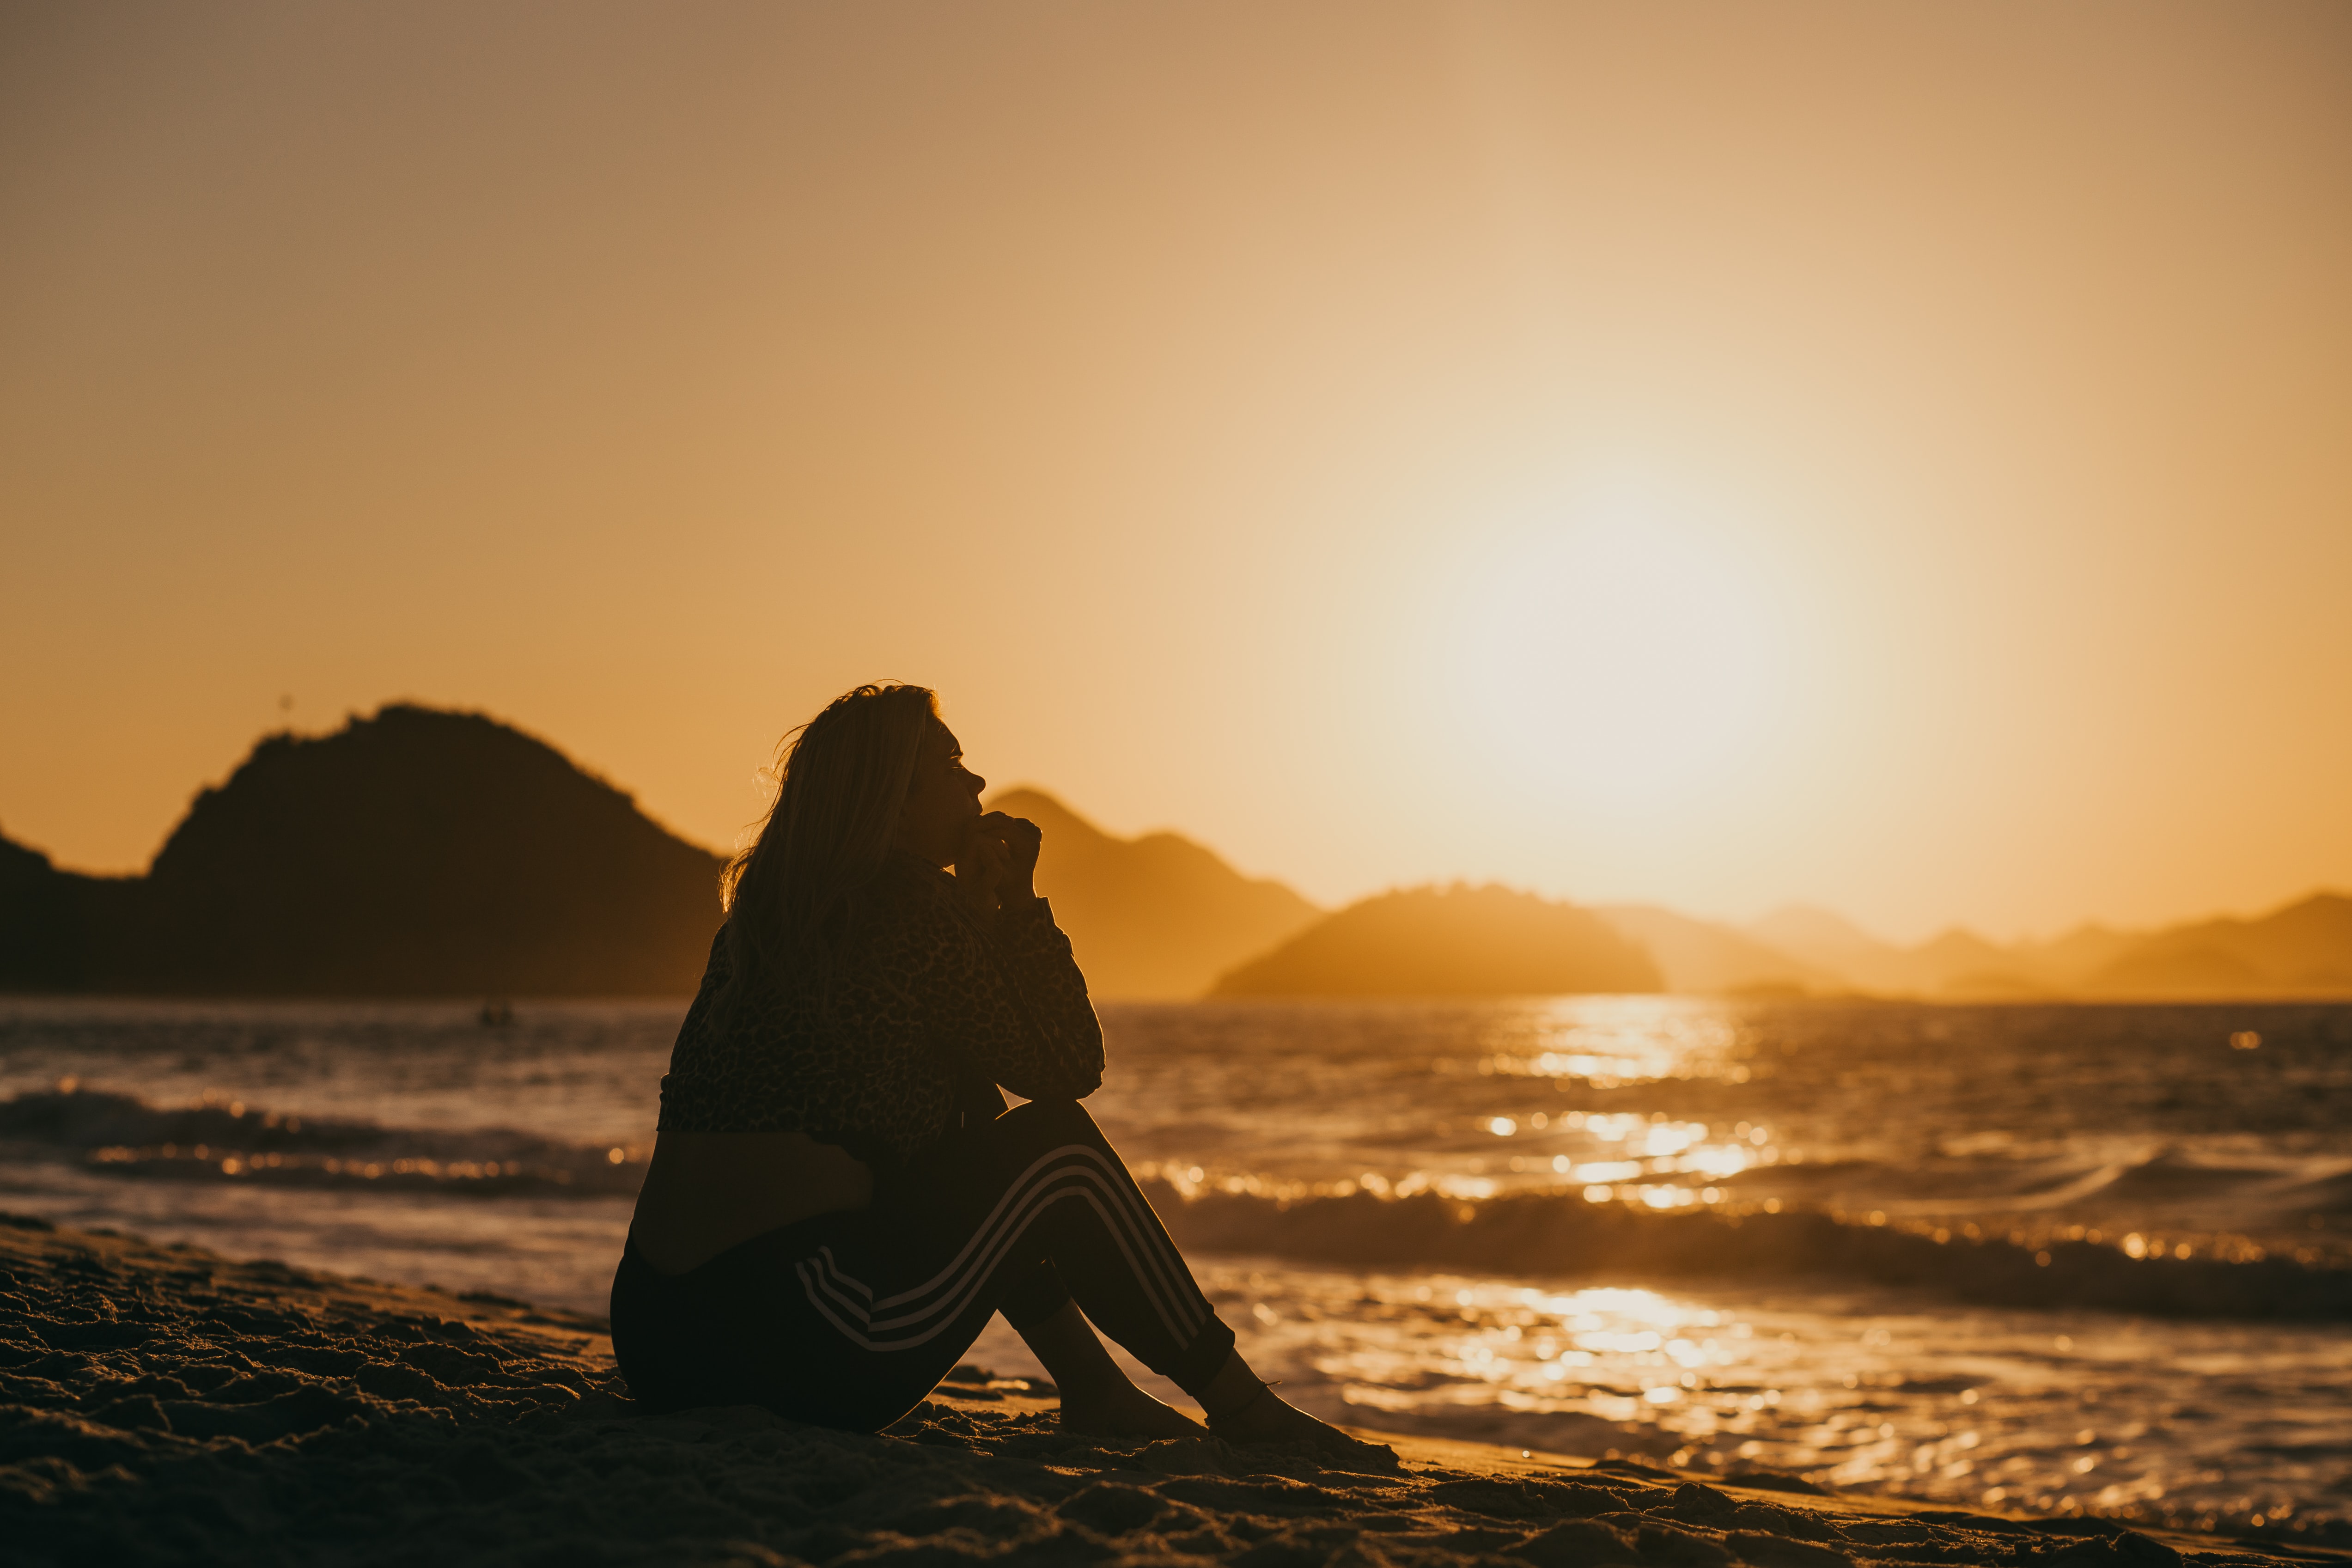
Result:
x=161 y=1405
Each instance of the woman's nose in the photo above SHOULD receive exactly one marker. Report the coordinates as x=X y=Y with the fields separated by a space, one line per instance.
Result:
x=974 y=781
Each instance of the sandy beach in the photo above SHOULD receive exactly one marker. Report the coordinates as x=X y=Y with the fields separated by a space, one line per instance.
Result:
x=161 y=1405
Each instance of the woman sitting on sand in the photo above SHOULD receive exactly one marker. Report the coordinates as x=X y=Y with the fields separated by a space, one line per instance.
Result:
x=838 y=1199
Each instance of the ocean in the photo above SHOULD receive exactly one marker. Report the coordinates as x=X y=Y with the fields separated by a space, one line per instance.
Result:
x=2065 y=1260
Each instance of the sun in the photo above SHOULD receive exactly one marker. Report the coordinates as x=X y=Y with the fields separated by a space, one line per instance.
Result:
x=1623 y=655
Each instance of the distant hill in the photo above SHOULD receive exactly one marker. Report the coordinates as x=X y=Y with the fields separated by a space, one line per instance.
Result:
x=1832 y=944
x=1957 y=965
x=429 y=853
x=1701 y=957
x=414 y=853
x=1960 y=965
x=43 y=913
x=1457 y=940
x=1157 y=916
x=2302 y=950
x=421 y=852
x=1817 y=937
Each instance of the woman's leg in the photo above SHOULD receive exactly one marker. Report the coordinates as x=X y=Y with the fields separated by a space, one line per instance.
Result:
x=1097 y=1397
x=972 y=1219
x=1242 y=1407
x=741 y=1330
x=849 y=1319
x=1105 y=1241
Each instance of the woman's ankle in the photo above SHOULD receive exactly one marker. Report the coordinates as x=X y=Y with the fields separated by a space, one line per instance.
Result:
x=1066 y=1345
x=1232 y=1393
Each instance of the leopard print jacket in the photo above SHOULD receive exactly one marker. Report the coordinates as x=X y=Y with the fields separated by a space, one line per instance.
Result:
x=931 y=1009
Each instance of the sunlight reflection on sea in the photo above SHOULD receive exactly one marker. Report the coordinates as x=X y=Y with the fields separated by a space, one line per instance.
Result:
x=2143 y=1132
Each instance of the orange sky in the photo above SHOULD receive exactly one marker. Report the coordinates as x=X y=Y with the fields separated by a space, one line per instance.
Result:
x=1898 y=458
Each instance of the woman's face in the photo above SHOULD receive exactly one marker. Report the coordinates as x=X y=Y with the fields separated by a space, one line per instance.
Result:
x=943 y=801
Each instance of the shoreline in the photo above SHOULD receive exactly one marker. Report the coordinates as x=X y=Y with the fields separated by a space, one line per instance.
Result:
x=164 y=1405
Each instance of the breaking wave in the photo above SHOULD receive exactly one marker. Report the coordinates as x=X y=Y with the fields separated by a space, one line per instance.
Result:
x=1563 y=1232
x=225 y=1140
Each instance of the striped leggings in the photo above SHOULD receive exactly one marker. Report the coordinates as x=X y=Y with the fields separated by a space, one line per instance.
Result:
x=847 y=1320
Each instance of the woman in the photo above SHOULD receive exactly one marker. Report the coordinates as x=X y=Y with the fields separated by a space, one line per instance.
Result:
x=838 y=1199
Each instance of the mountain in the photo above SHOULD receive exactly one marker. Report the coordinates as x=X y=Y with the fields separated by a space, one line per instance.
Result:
x=414 y=853
x=1698 y=956
x=43 y=912
x=1957 y=965
x=1157 y=916
x=1964 y=966
x=1818 y=937
x=430 y=853
x=1457 y=940
x=2302 y=950
x=1834 y=944
x=421 y=852
x=2080 y=954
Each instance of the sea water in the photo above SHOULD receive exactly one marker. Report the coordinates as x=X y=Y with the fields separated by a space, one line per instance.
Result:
x=2060 y=1259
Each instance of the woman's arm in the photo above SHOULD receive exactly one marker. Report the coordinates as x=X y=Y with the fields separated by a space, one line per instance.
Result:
x=994 y=991
x=1034 y=1030
x=1059 y=1054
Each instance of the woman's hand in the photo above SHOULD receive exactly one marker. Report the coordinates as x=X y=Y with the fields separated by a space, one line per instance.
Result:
x=1021 y=838
x=998 y=865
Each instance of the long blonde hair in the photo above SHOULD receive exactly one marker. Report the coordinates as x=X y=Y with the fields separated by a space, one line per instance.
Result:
x=841 y=782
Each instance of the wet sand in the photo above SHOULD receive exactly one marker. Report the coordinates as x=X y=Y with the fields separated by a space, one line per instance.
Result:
x=161 y=1405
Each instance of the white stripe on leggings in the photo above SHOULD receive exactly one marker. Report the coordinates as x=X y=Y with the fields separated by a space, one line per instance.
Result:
x=1164 y=1282
x=1163 y=1274
x=1092 y=1188
x=817 y=1288
x=1147 y=1257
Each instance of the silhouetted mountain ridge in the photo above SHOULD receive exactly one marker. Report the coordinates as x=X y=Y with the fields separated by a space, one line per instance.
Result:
x=2303 y=949
x=1700 y=956
x=421 y=852
x=1156 y=916
x=1456 y=941
x=417 y=852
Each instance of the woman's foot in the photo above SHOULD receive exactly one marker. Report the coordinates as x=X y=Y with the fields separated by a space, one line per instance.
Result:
x=1123 y=1410
x=1243 y=1408
x=1099 y=1399
x=1267 y=1417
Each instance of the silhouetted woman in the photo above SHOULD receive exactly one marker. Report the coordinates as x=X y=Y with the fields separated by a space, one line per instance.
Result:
x=838 y=1199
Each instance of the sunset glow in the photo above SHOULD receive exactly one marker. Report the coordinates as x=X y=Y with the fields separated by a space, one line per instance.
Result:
x=1887 y=459
x=1612 y=655
x=1310 y=781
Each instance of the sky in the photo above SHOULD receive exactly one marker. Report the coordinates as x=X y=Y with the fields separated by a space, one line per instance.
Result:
x=1896 y=458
